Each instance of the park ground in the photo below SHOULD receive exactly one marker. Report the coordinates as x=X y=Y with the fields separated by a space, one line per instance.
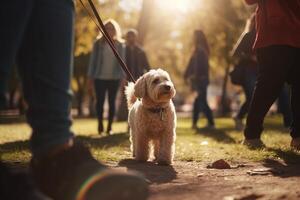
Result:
x=270 y=173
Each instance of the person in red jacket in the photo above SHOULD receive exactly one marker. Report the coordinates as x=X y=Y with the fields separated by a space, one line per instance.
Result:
x=277 y=46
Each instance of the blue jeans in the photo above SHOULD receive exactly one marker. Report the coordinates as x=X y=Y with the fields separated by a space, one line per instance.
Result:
x=201 y=105
x=248 y=88
x=284 y=105
x=38 y=36
x=111 y=87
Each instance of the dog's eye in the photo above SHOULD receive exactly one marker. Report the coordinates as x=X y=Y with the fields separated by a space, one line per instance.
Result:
x=155 y=81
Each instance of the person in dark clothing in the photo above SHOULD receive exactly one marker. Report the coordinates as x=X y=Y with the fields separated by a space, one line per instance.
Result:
x=246 y=61
x=277 y=47
x=137 y=62
x=248 y=85
x=136 y=58
x=197 y=73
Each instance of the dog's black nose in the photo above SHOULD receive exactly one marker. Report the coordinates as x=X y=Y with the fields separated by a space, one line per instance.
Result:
x=167 y=87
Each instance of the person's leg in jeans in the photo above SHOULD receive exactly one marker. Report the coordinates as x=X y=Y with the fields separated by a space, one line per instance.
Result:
x=47 y=76
x=274 y=64
x=44 y=62
x=196 y=110
x=17 y=25
x=101 y=87
x=284 y=106
x=248 y=90
x=14 y=16
x=205 y=107
x=44 y=30
x=112 y=94
x=295 y=97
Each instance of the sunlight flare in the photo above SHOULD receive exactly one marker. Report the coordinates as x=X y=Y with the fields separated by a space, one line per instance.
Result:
x=182 y=6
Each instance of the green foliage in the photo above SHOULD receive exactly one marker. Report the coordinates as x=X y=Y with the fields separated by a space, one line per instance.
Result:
x=168 y=41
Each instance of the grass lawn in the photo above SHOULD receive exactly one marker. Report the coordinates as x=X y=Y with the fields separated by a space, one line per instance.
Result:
x=202 y=146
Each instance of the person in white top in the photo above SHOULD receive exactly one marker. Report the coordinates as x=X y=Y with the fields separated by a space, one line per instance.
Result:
x=105 y=73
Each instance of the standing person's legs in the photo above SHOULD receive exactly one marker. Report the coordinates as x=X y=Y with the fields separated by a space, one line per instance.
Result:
x=45 y=61
x=196 y=110
x=274 y=64
x=248 y=90
x=205 y=107
x=112 y=94
x=14 y=16
x=295 y=98
x=284 y=105
x=100 y=90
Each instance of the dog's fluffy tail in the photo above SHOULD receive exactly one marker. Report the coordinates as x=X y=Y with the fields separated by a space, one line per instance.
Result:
x=129 y=92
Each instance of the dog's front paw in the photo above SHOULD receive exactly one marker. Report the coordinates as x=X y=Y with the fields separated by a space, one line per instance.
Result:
x=164 y=162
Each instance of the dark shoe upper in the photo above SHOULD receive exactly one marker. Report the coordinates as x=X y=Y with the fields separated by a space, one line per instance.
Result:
x=254 y=143
x=295 y=144
x=74 y=174
x=100 y=127
x=61 y=175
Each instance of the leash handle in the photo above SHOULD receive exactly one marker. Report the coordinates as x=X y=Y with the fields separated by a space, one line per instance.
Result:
x=107 y=37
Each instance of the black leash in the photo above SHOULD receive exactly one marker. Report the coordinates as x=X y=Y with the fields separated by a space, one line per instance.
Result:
x=106 y=37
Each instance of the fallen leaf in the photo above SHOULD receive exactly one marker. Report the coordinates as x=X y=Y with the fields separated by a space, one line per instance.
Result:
x=219 y=164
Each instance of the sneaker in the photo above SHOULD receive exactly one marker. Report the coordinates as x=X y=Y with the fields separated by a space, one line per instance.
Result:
x=17 y=185
x=109 y=129
x=295 y=143
x=239 y=126
x=73 y=173
x=253 y=143
x=210 y=127
x=100 y=127
x=194 y=127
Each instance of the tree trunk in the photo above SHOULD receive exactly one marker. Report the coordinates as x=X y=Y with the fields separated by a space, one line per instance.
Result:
x=144 y=20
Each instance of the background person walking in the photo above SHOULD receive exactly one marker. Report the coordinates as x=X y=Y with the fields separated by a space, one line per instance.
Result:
x=197 y=73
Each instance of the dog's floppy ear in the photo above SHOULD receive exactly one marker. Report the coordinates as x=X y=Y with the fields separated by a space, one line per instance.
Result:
x=140 y=87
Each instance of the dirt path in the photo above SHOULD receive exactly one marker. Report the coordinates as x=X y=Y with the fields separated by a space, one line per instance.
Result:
x=190 y=180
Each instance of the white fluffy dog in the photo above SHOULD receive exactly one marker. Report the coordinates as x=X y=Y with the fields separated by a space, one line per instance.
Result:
x=152 y=116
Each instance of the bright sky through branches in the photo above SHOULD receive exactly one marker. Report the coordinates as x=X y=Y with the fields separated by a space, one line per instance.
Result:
x=181 y=6
x=174 y=6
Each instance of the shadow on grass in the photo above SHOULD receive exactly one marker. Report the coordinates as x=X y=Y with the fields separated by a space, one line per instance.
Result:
x=117 y=139
x=288 y=167
x=153 y=172
x=13 y=147
x=219 y=135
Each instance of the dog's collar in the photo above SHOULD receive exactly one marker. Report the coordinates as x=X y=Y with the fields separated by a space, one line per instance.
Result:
x=159 y=110
x=156 y=110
